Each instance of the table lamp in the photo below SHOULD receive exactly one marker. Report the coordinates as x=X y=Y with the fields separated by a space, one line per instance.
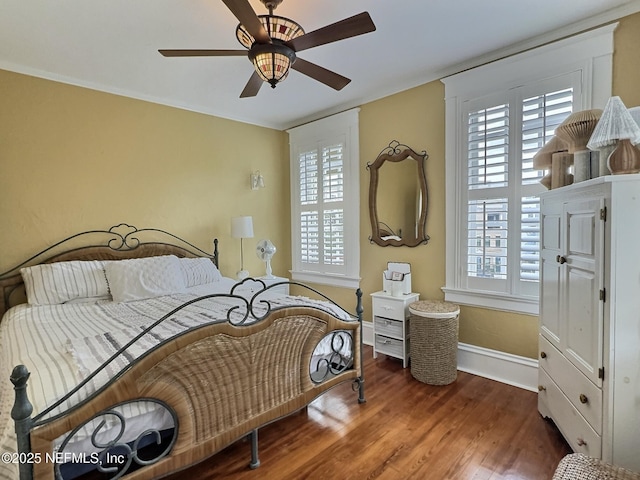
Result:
x=242 y=227
x=617 y=127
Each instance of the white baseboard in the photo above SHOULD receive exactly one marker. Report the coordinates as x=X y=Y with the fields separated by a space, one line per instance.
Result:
x=503 y=367
x=500 y=366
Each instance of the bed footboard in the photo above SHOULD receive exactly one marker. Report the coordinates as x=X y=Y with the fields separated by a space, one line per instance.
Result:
x=215 y=384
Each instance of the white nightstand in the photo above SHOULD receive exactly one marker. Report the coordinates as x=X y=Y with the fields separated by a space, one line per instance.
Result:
x=283 y=289
x=391 y=325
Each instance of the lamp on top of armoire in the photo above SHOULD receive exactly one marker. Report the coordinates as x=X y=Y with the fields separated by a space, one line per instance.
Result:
x=555 y=159
x=242 y=227
x=635 y=114
x=617 y=127
x=576 y=130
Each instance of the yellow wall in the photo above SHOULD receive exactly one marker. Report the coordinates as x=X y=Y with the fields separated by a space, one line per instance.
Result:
x=626 y=61
x=73 y=159
x=415 y=118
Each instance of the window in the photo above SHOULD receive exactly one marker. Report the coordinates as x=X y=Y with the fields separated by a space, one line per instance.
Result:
x=496 y=160
x=498 y=116
x=325 y=201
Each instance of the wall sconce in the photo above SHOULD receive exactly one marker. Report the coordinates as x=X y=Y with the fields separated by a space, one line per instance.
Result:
x=257 y=180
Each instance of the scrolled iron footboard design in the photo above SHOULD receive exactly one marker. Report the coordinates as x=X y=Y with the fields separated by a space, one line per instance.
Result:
x=113 y=455
x=337 y=362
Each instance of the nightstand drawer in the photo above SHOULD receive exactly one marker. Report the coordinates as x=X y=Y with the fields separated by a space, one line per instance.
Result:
x=390 y=346
x=389 y=308
x=389 y=327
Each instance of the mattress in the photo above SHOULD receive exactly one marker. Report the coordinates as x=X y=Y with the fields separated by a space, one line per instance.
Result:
x=61 y=345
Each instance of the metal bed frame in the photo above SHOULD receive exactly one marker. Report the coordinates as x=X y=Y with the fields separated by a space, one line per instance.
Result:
x=123 y=241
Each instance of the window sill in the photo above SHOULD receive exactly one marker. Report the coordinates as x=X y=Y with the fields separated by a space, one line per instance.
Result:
x=492 y=300
x=326 y=279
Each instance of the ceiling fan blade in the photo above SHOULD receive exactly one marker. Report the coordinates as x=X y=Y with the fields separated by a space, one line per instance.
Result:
x=203 y=53
x=347 y=28
x=247 y=16
x=252 y=87
x=332 y=79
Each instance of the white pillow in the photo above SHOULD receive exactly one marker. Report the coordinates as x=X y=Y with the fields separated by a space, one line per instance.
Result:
x=199 y=271
x=60 y=282
x=142 y=278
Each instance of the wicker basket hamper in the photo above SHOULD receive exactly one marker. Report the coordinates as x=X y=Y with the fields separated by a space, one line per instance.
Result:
x=434 y=341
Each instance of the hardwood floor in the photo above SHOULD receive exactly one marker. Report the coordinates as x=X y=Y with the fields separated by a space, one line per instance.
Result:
x=474 y=428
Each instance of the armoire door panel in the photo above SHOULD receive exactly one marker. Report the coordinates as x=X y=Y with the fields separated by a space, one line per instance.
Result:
x=583 y=281
x=550 y=271
x=581 y=233
x=551 y=231
x=550 y=317
x=583 y=339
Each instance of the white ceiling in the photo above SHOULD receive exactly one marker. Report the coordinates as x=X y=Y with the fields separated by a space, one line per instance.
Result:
x=112 y=46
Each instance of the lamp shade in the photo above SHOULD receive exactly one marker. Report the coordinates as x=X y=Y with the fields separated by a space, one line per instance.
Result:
x=577 y=128
x=635 y=114
x=279 y=28
x=242 y=227
x=616 y=123
x=542 y=159
x=272 y=60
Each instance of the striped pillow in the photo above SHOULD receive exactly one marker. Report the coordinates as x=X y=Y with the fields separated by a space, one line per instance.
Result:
x=199 y=271
x=61 y=282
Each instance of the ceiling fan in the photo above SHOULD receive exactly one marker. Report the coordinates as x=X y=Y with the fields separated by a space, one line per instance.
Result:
x=272 y=42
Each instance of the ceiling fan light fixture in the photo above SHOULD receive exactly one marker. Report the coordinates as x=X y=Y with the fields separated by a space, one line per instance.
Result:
x=272 y=42
x=272 y=61
x=278 y=28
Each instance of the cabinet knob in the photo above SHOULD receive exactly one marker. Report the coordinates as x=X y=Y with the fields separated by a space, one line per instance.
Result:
x=543 y=355
x=581 y=442
x=541 y=388
x=584 y=398
x=560 y=259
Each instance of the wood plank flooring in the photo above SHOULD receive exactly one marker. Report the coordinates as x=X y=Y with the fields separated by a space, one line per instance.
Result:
x=474 y=428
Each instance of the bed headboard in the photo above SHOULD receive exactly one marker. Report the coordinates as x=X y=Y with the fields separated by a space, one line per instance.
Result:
x=119 y=242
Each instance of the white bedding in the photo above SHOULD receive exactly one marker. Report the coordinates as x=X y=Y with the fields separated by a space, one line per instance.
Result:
x=59 y=343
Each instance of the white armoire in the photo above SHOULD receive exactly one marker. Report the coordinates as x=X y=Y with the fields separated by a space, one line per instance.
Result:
x=589 y=342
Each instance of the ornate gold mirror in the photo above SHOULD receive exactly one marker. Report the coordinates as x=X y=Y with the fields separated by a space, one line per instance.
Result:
x=398 y=197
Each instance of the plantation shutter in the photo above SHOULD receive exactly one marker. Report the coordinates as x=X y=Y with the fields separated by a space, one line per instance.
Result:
x=541 y=114
x=322 y=197
x=503 y=210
